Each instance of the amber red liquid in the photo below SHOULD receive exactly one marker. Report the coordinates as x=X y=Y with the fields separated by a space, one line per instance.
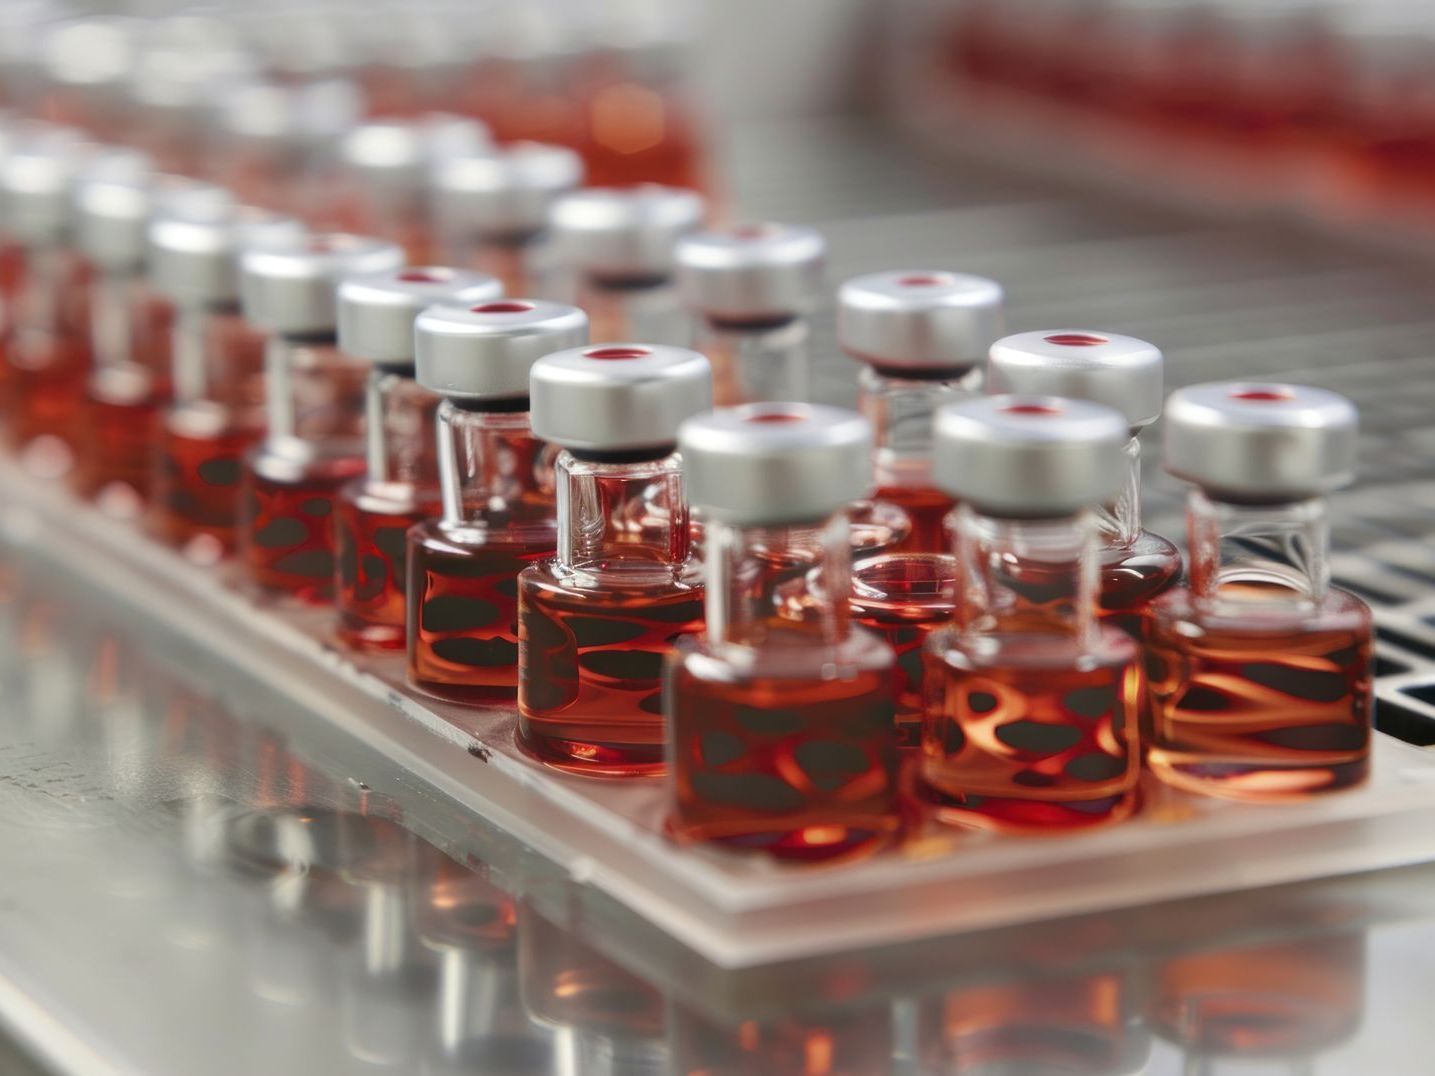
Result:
x=371 y=532
x=195 y=485
x=1255 y=709
x=463 y=609
x=590 y=683
x=925 y=509
x=115 y=437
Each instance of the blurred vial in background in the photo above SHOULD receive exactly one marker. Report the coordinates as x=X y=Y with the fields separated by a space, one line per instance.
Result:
x=850 y=1042
x=413 y=54
x=83 y=68
x=613 y=256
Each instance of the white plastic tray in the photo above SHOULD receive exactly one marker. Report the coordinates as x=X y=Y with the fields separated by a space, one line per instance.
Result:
x=736 y=913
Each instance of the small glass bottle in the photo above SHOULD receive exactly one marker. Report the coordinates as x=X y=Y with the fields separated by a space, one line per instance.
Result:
x=46 y=333
x=920 y=335
x=751 y=288
x=1031 y=698
x=597 y=620
x=400 y=484
x=314 y=406
x=613 y=256
x=498 y=512
x=491 y=209
x=217 y=372
x=1260 y=671
x=781 y=737
x=383 y=181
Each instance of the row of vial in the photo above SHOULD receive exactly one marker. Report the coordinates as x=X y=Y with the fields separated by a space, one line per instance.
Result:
x=531 y=532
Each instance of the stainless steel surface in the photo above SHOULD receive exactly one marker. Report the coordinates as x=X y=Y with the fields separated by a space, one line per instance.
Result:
x=487 y=352
x=376 y=311
x=1106 y=368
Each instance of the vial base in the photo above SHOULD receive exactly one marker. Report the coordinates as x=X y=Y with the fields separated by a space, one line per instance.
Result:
x=1031 y=738
x=463 y=609
x=286 y=540
x=196 y=481
x=926 y=509
x=114 y=443
x=903 y=598
x=800 y=768
x=371 y=525
x=590 y=670
x=1250 y=707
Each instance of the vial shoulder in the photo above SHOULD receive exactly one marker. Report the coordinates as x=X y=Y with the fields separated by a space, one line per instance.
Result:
x=861 y=655
x=1337 y=611
x=1106 y=648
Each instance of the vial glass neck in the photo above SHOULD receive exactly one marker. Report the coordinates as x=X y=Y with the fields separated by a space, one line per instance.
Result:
x=762 y=361
x=399 y=428
x=1027 y=576
x=112 y=319
x=314 y=392
x=1119 y=520
x=638 y=310
x=493 y=472
x=190 y=369
x=901 y=411
x=48 y=277
x=1244 y=555
x=771 y=586
x=624 y=521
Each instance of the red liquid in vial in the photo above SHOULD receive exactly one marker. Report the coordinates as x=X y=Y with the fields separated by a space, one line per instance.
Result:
x=287 y=531
x=1149 y=568
x=196 y=481
x=45 y=385
x=116 y=433
x=1032 y=744
x=1260 y=713
x=802 y=769
x=903 y=598
x=926 y=512
x=463 y=628
x=847 y=1044
x=371 y=531
x=592 y=689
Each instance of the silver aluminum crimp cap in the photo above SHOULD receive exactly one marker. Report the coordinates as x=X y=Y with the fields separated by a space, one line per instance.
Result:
x=115 y=201
x=1260 y=442
x=377 y=310
x=396 y=156
x=288 y=286
x=314 y=114
x=487 y=351
x=1118 y=371
x=769 y=464
x=1029 y=456
x=623 y=234
x=921 y=320
x=504 y=192
x=618 y=397
x=194 y=249
x=752 y=273
x=36 y=180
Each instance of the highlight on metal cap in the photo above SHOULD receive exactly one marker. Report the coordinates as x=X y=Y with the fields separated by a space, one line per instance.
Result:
x=115 y=200
x=618 y=397
x=396 y=156
x=486 y=351
x=194 y=250
x=36 y=179
x=1261 y=441
x=507 y=191
x=752 y=273
x=1118 y=371
x=289 y=116
x=377 y=309
x=1029 y=456
x=288 y=286
x=922 y=320
x=623 y=234
x=767 y=464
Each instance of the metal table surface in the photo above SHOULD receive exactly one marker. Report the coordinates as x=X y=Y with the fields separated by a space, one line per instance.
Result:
x=205 y=878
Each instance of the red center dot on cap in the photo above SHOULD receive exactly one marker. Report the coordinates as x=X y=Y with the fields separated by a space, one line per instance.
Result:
x=503 y=306
x=1262 y=395
x=1031 y=409
x=425 y=276
x=751 y=231
x=617 y=352
x=774 y=417
x=1076 y=339
x=922 y=280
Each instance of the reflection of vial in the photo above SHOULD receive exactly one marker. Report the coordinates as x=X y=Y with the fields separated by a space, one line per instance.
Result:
x=780 y=715
x=498 y=513
x=384 y=175
x=217 y=373
x=1260 y=671
x=1124 y=373
x=46 y=341
x=376 y=313
x=1032 y=700
x=752 y=287
x=613 y=250
x=491 y=209
x=314 y=403
x=596 y=621
x=848 y=1042
x=919 y=334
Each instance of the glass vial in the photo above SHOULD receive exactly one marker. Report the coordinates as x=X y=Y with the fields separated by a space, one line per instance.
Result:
x=920 y=334
x=314 y=406
x=399 y=487
x=497 y=505
x=613 y=256
x=491 y=209
x=751 y=288
x=217 y=373
x=1259 y=669
x=597 y=620
x=781 y=738
x=1032 y=699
